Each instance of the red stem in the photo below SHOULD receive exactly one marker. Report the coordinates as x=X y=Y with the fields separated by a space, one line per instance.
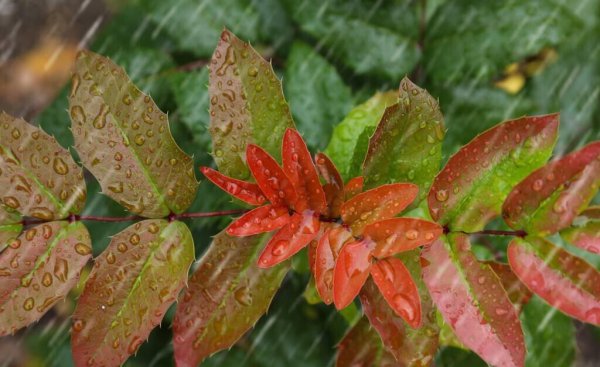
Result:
x=211 y=214
x=496 y=232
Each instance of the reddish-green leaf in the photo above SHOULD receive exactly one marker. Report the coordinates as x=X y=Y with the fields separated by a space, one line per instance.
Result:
x=38 y=177
x=10 y=225
x=551 y=197
x=407 y=145
x=246 y=105
x=395 y=235
x=327 y=251
x=293 y=237
x=353 y=187
x=517 y=292
x=260 y=220
x=271 y=179
x=38 y=269
x=565 y=281
x=410 y=347
x=133 y=283
x=469 y=191
x=585 y=234
x=334 y=184
x=124 y=140
x=472 y=300
x=226 y=295
x=246 y=191
x=362 y=347
x=377 y=204
x=299 y=167
x=351 y=271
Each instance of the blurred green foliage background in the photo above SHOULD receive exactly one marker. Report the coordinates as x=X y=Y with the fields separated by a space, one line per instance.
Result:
x=486 y=61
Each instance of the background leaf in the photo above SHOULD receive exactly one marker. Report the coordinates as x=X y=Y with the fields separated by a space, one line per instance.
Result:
x=362 y=346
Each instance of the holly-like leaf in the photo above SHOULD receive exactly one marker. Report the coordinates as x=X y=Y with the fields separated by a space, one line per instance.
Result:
x=395 y=235
x=38 y=269
x=585 y=234
x=245 y=191
x=410 y=347
x=473 y=302
x=469 y=191
x=351 y=271
x=327 y=251
x=225 y=297
x=551 y=197
x=246 y=105
x=362 y=347
x=334 y=184
x=10 y=225
x=272 y=180
x=407 y=145
x=133 y=283
x=346 y=134
x=124 y=140
x=565 y=281
x=38 y=177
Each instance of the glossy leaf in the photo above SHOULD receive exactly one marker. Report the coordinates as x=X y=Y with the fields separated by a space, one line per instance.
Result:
x=410 y=347
x=351 y=271
x=226 y=295
x=395 y=235
x=565 y=281
x=407 y=145
x=133 y=283
x=38 y=269
x=377 y=204
x=517 y=292
x=327 y=251
x=473 y=302
x=240 y=80
x=469 y=191
x=293 y=237
x=346 y=134
x=354 y=187
x=299 y=167
x=362 y=347
x=334 y=184
x=551 y=197
x=260 y=220
x=585 y=234
x=10 y=225
x=124 y=140
x=397 y=287
x=246 y=191
x=271 y=179
x=39 y=177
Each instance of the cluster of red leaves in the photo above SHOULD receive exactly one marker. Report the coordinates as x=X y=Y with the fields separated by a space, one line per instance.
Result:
x=353 y=234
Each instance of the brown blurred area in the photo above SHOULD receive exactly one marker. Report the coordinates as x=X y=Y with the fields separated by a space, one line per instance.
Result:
x=38 y=43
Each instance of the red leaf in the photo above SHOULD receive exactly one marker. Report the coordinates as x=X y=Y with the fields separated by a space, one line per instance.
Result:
x=551 y=197
x=469 y=191
x=271 y=179
x=334 y=187
x=585 y=235
x=473 y=302
x=396 y=235
x=517 y=292
x=327 y=252
x=398 y=289
x=260 y=220
x=351 y=270
x=298 y=165
x=563 y=280
x=377 y=204
x=293 y=237
x=38 y=269
x=245 y=191
x=361 y=347
x=354 y=187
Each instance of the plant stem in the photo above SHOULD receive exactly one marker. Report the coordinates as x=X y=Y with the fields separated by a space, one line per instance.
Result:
x=211 y=214
x=495 y=232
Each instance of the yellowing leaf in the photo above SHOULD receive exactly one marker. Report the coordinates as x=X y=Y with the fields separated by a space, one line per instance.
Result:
x=246 y=105
x=38 y=269
x=125 y=141
x=133 y=283
x=38 y=177
x=226 y=296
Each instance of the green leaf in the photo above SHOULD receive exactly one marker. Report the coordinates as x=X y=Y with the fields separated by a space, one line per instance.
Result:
x=551 y=197
x=473 y=301
x=124 y=140
x=38 y=269
x=226 y=295
x=469 y=191
x=360 y=152
x=133 y=283
x=10 y=225
x=345 y=139
x=247 y=105
x=362 y=346
x=345 y=28
x=317 y=94
x=461 y=45
x=549 y=336
x=39 y=177
x=407 y=145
